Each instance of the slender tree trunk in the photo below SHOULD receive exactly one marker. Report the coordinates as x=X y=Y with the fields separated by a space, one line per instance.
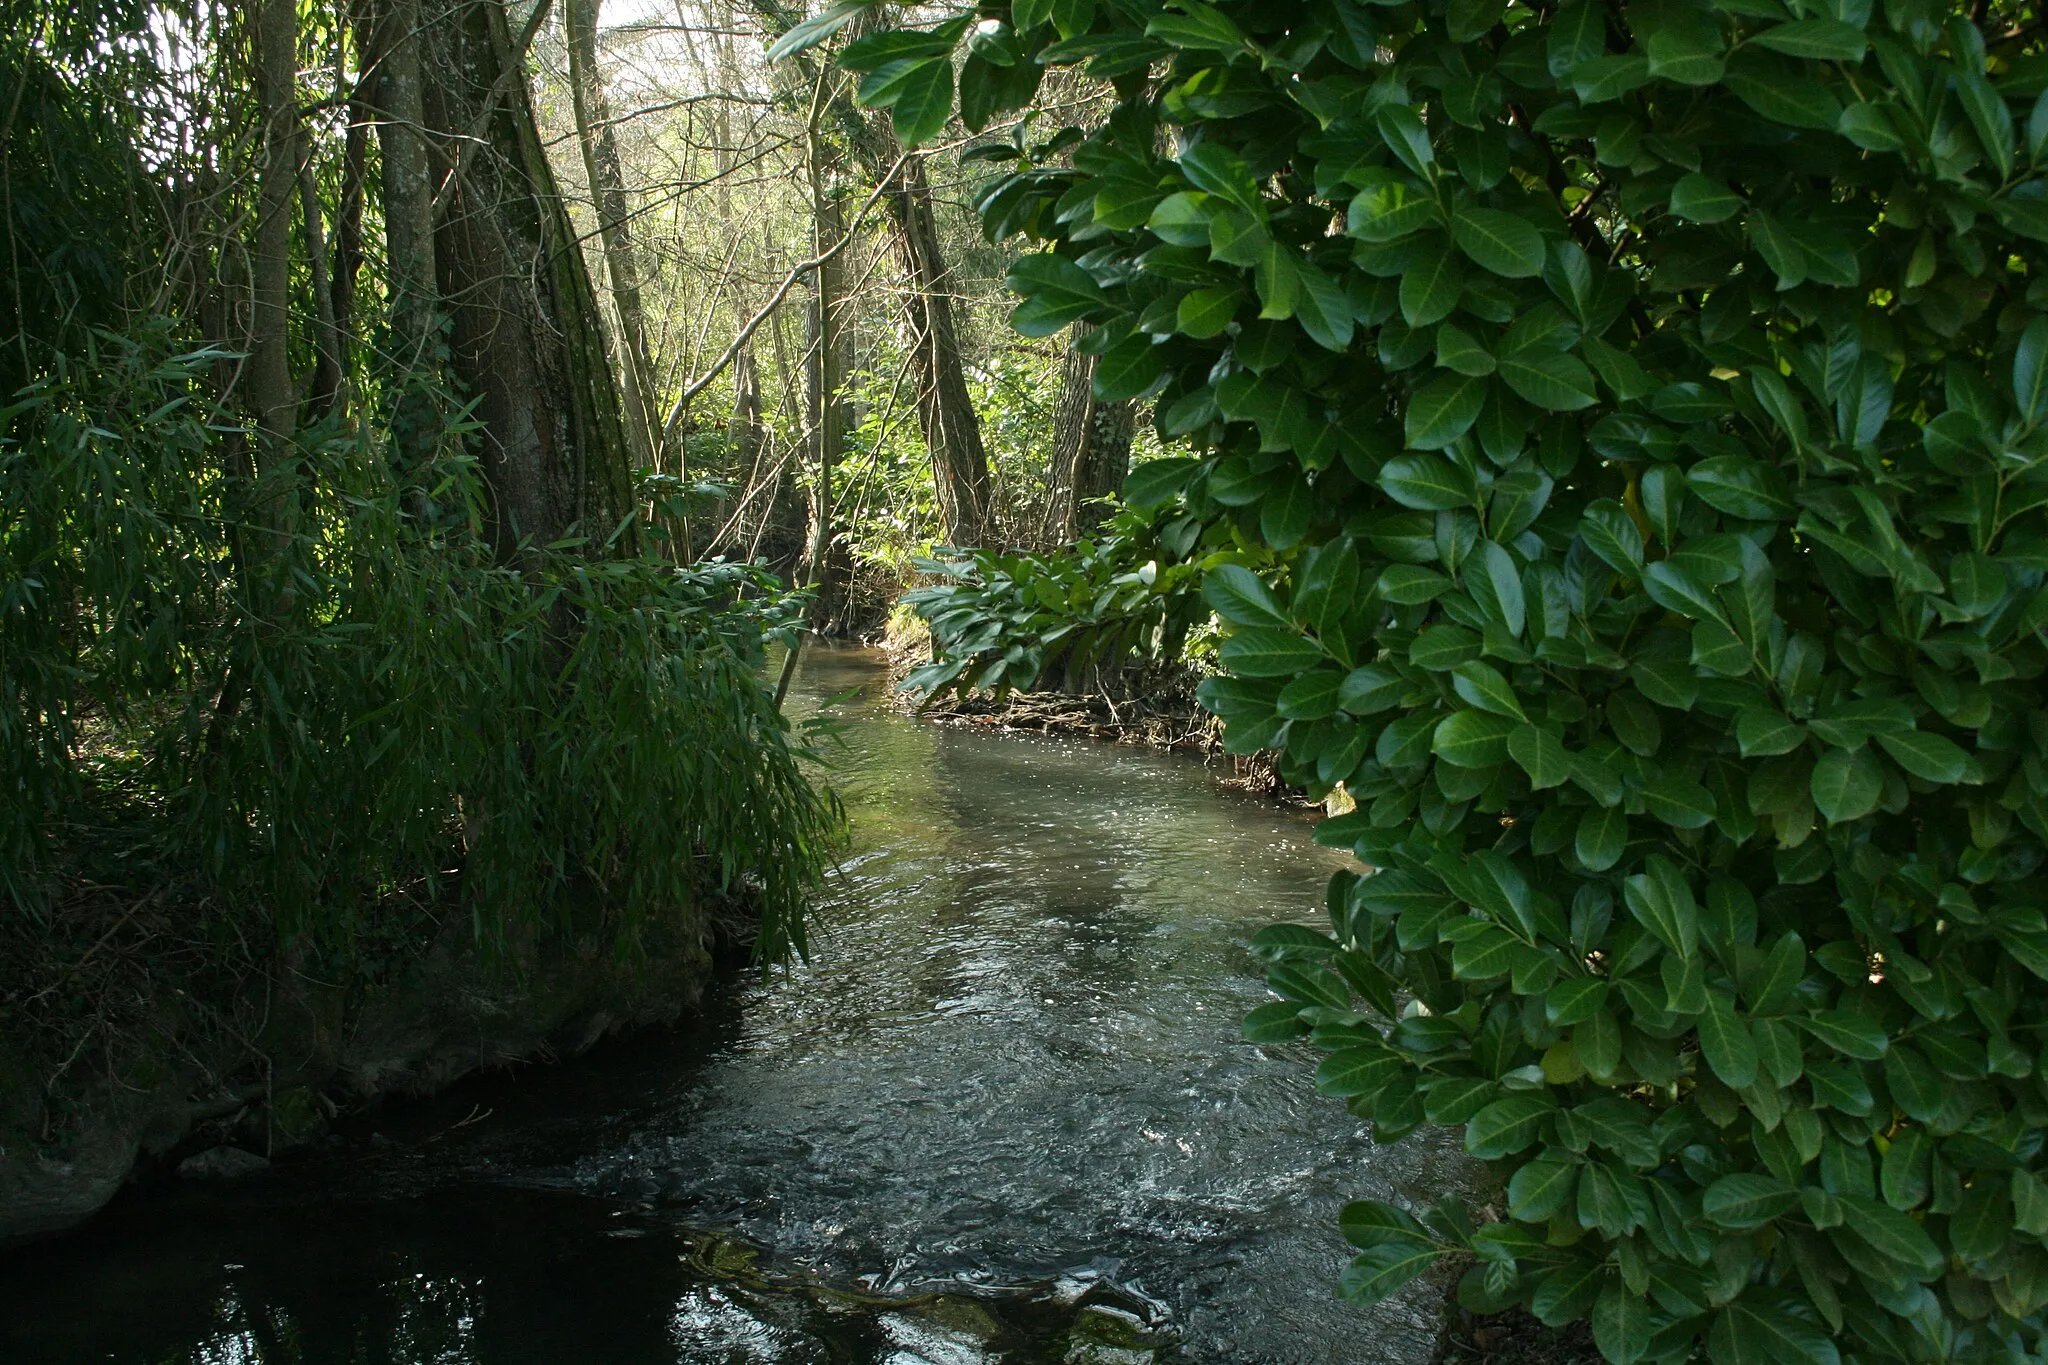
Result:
x=1091 y=449
x=828 y=377
x=781 y=532
x=743 y=430
x=271 y=394
x=327 y=372
x=525 y=341
x=952 y=431
x=399 y=99
x=355 y=150
x=621 y=262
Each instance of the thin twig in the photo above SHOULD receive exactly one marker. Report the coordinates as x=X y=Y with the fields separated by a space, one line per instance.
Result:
x=789 y=282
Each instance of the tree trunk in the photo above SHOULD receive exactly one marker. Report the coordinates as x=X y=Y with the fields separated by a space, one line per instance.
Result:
x=327 y=371
x=1091 y=449
x=525 y=341
x=398 y=98
x=271 y=395
x=614 y=225
x=270 y=374
x=822 y=570
x=952 y=431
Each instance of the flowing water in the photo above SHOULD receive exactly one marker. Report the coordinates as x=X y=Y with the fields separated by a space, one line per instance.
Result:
x=1003 y=1115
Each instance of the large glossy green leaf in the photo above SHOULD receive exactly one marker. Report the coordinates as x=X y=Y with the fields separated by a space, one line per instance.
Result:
x=1056 y=292
x=1506 y=1126
x=1357 y=1071
x=1726 y=1043
x=1496 y=587
x=1821 y=40
x=1601 y=837
x=1703 y=199
x=1482 y=685
x=1541 y=755
x=1847 y=784
x=1743 y=1201
x=1542 y=1188
x=1241 y=596
x=1504 y=243
x=1441 y=411
x=1269 y=653
x=1430 y=290
x=1852 y=1035
x=1472 y=739
x=1931 y=757
x=1375 y=1274
x=1750 y=1332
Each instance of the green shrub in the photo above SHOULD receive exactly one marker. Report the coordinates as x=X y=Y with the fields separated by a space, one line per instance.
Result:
x=1651 y=405
x=1003 y=622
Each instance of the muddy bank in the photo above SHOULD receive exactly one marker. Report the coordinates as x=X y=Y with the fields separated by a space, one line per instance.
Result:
x=203 y=1062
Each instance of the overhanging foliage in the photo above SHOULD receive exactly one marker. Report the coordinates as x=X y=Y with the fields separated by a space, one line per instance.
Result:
x=1648 y=404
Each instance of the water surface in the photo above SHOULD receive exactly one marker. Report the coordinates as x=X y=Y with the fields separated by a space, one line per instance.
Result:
x=1011 y=1068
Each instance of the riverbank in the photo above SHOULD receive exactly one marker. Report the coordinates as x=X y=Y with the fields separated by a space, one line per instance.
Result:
x=1010 y=1073
x=1151 y=708
x=141 y=1051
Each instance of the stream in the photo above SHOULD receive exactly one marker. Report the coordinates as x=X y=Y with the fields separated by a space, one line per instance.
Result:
x=1002 y=1115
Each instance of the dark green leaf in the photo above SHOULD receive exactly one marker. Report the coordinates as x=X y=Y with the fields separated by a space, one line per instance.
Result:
x=1541 y=755
x=1472 y=739
x=1506 y=1126
x=1702 y=199
x=1504 y=243
x=1439 y=412
x=1847 y=784
x=1852 y=1035
x=1821 y=40
x=1268 y=653
x=1239 y=595
x=1754 y=1333
x=1726 y=1043
x=1741 y=1202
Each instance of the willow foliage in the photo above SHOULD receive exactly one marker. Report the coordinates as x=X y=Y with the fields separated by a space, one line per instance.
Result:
x=385 y=720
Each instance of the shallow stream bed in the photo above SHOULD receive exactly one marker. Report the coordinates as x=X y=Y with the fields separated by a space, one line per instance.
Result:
x=1002 y=1115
